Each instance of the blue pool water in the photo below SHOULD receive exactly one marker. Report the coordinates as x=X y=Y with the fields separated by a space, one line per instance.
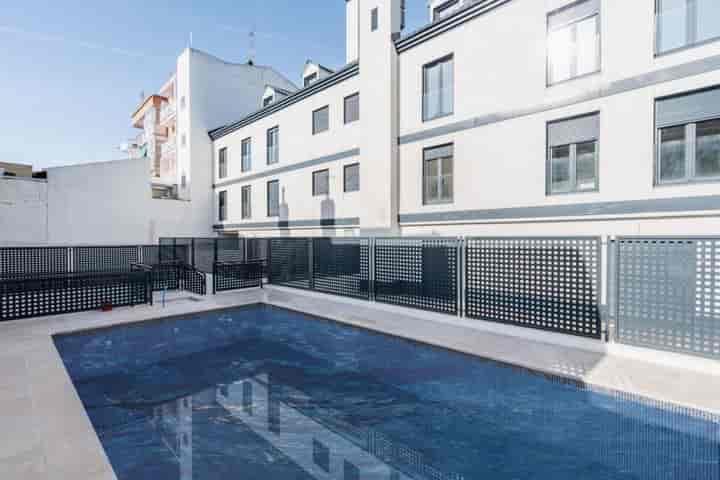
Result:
x=268 y=394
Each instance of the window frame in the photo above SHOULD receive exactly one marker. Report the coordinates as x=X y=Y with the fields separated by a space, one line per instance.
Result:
x=374 y=19
x=276 y=131
x=222 y=163
x=243 y=168
x=267 y=198
x=310 y=79
x=267 y=101
x=315 y=193
x=243 y=209
x=437 y=61
x=345 y=177
x=222 y=206
x=688 y=45
x=690 y=177
x=442 y=7
x=548 y=69
x=345 y=109
x=439 y=201
x=315 y=131
x=572 y=157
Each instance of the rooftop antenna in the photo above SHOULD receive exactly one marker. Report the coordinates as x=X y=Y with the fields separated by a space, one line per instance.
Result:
x=251 y=36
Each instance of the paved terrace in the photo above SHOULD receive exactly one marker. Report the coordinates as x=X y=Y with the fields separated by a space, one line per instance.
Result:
x=46 y=433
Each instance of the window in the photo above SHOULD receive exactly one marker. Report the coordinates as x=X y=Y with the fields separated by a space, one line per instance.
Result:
x=574 y=41
x=683 y=23
x=222 y=163
x=688 y=137
x=273 y=198
x=222 y=206
x=310 y=79
x=445 y=9
x=321 y=455
x=246 y=202
x=438 y=88
x=572 y=163
x=321 y=120
x=321 y=183
x=273 y=145
x=352 y=108
x=267 y=101
x=246 y=155
x=374 y=19
x=352 y=177
x=438 y=174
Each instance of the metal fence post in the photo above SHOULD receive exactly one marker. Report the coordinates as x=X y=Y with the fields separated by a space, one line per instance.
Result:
x=371 y=279
x=461 y=276
x=311 y=262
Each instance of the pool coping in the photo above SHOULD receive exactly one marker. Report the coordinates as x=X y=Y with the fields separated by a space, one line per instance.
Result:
x=49 y=435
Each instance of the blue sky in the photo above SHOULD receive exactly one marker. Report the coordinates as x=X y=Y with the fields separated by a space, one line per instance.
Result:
x=71 y=71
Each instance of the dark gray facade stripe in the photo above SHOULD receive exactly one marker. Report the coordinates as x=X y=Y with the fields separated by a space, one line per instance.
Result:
x=460 y=17
x=289 y=168
x=328 y=222
x=664 y=205
x=345 y=73
x=678 y=72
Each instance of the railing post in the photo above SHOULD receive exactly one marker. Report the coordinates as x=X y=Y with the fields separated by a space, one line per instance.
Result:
x=214 y=279
x=311 y=262
x=460 y=252
x=371 y=280
x=269 y=260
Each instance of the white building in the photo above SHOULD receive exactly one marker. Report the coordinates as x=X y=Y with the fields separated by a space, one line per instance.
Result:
x=509 y=117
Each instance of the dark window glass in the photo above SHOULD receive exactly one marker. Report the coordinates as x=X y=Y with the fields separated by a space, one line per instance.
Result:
x=321 y=182
x=438 y=174
x=352 y=108
x=321 y=120
x=374 y=19
x=222 y=206
x=246 y=202
x=273 y=198
x=672 y=154
x=222 y=163
x=246 y=161
x=438 y=90
x=352 y=177
x=707 y=150
x=273 y=145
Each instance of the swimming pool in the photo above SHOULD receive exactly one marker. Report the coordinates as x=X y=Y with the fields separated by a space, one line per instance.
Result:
x=266 y=393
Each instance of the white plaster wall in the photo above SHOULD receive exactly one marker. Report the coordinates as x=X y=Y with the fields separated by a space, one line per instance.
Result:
x=500 y=65
x=23 y=211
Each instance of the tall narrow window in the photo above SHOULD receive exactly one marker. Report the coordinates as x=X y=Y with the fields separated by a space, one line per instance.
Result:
x=438 y=88
x=352 y=178
x=222 y=163
x=574 y=41
x=374 y=19
x=352 y=108
x=321 y=182
x=273 y=198
x=246 y=202
x=683 y=23
x=222 y=206
x=246 y=160
x=573 y=154
x=321 y=120
x=438 y=174
x=688 y=137
x=273 y=145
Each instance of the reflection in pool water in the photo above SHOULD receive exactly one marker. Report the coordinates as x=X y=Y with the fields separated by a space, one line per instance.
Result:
x=264 y=393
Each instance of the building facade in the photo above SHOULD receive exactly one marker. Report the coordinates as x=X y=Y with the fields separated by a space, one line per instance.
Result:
x=507 y=117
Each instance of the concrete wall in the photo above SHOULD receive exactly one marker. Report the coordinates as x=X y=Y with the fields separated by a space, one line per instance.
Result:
x=23 y=210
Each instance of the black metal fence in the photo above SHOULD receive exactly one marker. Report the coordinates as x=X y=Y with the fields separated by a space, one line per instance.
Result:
x=203 y=253
x=666 y=293
x=290 y=262
x=341 y=266
x=543 y=283
x=35 y=296
x=236 y=276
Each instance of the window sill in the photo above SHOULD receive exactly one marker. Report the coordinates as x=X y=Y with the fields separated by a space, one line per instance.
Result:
x=437 y=202
x=438 y=117
x=687 y=47
x=571 y=192
x=688 y=182
x=572 y=79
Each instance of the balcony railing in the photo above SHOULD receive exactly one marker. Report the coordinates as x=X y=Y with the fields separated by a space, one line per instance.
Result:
x=167 y=112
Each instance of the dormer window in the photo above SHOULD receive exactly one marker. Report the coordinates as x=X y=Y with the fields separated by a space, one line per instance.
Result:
x=268 y=100
x=310 y=79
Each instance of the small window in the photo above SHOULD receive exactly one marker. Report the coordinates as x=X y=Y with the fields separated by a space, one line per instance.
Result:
x=445 y=9
x=321 y=120
x=352 y=108
x=310 y=79
x=688 y=137
x=273 y=145
x=273 y=198
x=374 y=19
x=222 y=163
x=246 y=202
x=573 y=154
x=321 y=183
x=683 y=23
x=574 y=41
x=246 y=155
x=268 y=100
x=438 y=93
x=438 y=174
x=352 y=178
x=321 y=455
x=222 y=206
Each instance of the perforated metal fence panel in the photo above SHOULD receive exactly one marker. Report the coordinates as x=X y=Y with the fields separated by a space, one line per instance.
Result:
x=418 y=273
x=341 y=266
x=257 y=248
x=23 y=261
x=67 y=293
x=236 y=276
x=290 y=262
x=105 y=259
x=543 y=283
x=230 y=250
x=204 y=254
x=668 y=294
